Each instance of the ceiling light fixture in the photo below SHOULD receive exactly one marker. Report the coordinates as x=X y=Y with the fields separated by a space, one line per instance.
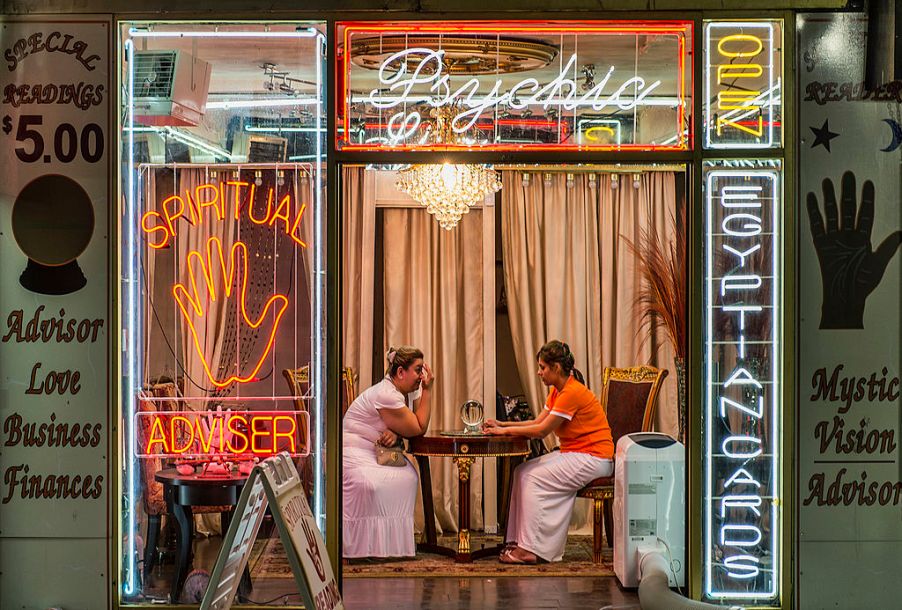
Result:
x=448 y=190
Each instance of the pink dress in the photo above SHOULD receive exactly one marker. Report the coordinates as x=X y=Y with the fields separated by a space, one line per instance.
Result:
x=378 y=500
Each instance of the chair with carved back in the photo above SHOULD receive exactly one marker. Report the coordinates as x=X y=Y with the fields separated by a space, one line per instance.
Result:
x=298 y=383
x=629 y=397
x=348 y=389
x=167 y=399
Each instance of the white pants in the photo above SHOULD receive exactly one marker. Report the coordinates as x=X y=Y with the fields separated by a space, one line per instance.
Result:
x=378 y=506
x=542 y=499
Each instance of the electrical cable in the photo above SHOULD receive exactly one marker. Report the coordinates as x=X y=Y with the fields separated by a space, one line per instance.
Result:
x=166 y=338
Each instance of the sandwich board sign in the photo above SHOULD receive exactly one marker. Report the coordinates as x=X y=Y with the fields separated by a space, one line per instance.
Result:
x=274 y=483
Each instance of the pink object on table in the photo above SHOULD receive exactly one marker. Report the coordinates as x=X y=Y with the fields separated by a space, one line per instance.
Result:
x=246 y=467
x=185 y=469
x=217 y=469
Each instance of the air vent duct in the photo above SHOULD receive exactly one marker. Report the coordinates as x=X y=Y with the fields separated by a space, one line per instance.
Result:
x=171 y=88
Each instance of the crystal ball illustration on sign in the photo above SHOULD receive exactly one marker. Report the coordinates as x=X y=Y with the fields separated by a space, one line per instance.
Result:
x=471 y=414
x=53 y=221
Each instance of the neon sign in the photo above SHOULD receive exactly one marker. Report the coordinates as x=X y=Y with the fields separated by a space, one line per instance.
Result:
x=599 y=130
x=742 y=88
x=191 y=208
x=562 y=92
x=403 y=88
x=743 y=407
x=193 y=302
x=223 y=273
x=225 y=434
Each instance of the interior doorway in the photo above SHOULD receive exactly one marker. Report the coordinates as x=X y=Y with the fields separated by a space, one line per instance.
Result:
x=557 y=253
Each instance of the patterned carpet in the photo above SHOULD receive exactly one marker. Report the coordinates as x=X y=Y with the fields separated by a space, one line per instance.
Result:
x=270 y=562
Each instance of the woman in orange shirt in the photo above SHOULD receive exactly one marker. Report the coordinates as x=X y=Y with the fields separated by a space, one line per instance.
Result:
x=544 y=489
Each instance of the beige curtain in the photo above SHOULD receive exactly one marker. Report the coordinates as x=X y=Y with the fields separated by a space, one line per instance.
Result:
x=149 y=275
x=549 y=234
x=624 y=213
x=570 y=275
x=433 y=299
x=358 y=247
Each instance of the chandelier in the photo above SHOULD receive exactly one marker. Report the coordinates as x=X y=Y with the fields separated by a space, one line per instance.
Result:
x=448 y=190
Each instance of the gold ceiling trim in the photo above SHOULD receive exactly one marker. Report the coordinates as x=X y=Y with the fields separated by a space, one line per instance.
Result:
x=463 y=54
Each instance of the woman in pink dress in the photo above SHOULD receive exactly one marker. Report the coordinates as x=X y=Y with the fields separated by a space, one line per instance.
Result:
x=379 y=500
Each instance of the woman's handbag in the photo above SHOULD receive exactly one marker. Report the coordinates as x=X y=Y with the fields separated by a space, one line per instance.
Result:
x=391 y=456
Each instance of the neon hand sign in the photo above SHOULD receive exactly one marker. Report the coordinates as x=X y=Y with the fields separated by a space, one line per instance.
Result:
x=193 y=302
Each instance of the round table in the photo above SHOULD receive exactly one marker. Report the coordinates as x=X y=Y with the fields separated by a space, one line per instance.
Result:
x=463 y=449
x=182 y=491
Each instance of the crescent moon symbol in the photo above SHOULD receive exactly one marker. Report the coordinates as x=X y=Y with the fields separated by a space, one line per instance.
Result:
x=897 y=135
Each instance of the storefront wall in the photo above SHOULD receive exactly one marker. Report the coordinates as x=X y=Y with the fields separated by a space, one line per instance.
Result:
x=849 y=532
x=104 y=565
x=57 y=516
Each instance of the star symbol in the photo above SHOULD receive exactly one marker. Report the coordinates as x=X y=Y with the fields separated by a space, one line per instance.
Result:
x=823 y=135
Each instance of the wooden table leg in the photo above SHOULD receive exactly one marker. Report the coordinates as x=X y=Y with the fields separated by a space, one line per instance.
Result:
x=463 y=508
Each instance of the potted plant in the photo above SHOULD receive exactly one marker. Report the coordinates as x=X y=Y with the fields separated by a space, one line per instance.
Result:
x=662 y=299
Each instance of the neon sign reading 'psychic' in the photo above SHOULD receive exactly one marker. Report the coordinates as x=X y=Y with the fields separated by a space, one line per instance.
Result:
x=743 y=408
x=562 y=92
x=414 y=82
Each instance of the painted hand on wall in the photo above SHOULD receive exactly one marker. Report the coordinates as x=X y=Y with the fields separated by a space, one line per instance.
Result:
x=850 y=268
x=195 y=306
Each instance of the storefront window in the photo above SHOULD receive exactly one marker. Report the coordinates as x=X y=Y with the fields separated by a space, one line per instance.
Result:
x=222 y=292
x=743 y=84
x=515 y=85
x=743 y=404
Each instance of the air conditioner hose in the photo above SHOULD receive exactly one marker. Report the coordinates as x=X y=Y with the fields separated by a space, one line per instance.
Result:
x=654 y=592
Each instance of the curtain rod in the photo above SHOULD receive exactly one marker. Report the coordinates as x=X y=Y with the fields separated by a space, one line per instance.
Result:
x=607 y=168
x=226 y=166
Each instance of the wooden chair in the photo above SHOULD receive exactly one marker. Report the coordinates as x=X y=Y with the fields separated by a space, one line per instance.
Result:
x=349 y=388
x=298 y=382
x=629 y=397
x=151 y=489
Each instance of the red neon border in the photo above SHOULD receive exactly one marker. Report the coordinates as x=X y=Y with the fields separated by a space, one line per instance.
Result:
x=681 y=29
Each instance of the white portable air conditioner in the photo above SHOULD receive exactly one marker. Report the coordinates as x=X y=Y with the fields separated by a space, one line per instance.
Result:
x=649 y=504
x=171 y=88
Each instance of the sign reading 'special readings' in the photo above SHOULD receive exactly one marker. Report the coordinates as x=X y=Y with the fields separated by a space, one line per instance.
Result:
x=54 y=311
x=53 y=254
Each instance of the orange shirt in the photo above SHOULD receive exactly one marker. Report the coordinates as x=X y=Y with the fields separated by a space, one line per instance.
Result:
x=585 y=428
